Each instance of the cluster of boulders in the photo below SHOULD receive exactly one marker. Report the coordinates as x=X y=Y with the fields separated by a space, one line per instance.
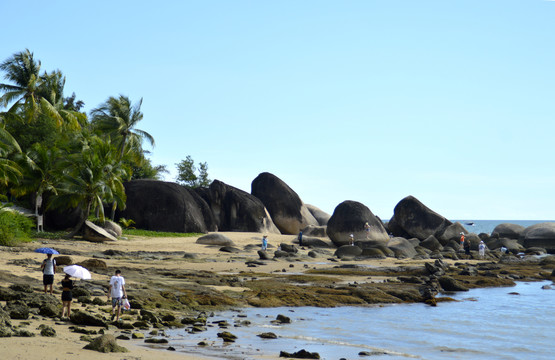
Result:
x=273 y=207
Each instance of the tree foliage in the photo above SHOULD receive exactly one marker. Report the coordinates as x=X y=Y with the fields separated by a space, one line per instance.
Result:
x=189 y=175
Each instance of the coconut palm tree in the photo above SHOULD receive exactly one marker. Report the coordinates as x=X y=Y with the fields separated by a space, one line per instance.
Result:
x=10 y=172
x=22 y=71
x=92 y=177
x=119 y=118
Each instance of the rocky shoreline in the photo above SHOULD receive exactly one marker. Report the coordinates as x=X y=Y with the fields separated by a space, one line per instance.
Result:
x=172 y=288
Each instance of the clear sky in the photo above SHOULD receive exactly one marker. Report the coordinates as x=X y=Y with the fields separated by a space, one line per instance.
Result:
x=452 y=102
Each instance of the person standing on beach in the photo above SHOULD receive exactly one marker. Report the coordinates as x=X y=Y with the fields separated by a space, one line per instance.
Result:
x=117 y=292
x=48 y=268
x=467 y=246
x=462 y=241
x=301 y=238
x=352 y=240
x=67 y=296
x=264 y=242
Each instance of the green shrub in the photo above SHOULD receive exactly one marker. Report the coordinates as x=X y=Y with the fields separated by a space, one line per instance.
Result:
x=14 y=228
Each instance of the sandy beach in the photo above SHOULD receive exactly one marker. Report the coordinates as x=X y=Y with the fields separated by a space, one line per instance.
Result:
x=21 y=264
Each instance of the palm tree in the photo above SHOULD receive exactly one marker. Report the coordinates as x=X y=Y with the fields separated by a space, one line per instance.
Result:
x=92 y=176
x=23 y=72
x=10 y=172
x=118 y=118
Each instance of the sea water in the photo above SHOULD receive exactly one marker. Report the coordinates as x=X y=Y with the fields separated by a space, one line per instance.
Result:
x=490 y=323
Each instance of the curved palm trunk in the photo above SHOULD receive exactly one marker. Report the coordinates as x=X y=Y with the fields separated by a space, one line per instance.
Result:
x=79 y=225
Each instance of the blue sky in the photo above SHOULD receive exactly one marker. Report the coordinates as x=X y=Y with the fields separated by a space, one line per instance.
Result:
x=452 y=102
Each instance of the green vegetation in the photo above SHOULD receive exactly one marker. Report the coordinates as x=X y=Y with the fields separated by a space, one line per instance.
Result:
x=51 y=150
x=139 y=232
x=14 y=228
x=187 y=173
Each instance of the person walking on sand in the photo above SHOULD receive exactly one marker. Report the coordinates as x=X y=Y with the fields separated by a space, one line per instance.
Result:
x=264 y=242
x=367 y=229
x=48 y=268
x=117 y=292
x=67 y=296
x=482 y=249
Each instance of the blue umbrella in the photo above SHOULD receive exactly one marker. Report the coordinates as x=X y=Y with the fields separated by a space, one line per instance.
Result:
x=46 y=250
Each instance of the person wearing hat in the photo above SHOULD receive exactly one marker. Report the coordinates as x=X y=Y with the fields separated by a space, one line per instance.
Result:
x=462 y=240
x=264 y=242
x=482 y=249
x=352 y=240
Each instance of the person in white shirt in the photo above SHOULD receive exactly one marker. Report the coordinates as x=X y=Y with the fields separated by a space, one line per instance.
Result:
x=48 y=268
x=117 y=292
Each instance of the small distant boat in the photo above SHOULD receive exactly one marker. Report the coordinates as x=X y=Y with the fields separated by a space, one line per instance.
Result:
x=469 y=223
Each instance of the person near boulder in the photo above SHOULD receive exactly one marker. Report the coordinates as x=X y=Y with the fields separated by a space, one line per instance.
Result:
x=462 y=240
x=467 y=246
x=503 y=249
x=367 y=229
x=301 y=238
x=48 y=268
x=352 y=240
x=264 y=242
x=118 y=293
x=482 y=249
x=67 y=296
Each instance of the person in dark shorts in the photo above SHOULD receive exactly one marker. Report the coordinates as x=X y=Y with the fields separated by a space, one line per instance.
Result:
x=67 y=296
x=48 y=268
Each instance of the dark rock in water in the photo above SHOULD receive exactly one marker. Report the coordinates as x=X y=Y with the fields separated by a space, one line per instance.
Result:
x=237 y=210
x=371 y=353
x=411 y=218
x=105 y=344
x=540 y=235
x=282 y=319
x=156 y=341
x=226 y=336
x=215 y=239
x=321 y=216
x=510 y=231
x=230 y=249
x=449 y=284
x=348 y=218
x=301 y=354
x=287 y=210
x=402 y=248
x=348 y=251
x=164 y=206
x=546 y=287
x=267 y=335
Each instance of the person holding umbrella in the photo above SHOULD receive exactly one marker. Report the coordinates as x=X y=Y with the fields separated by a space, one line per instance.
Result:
x=67 y=296
x=48 y=268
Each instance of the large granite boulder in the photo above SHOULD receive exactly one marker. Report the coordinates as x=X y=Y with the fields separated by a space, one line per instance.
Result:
x=348 y=251
x=287 y=210
x=349 y=218
x=318 y=231
x=506 y=230
x=431 y=243
x=451 y=232
x=163 y=206
x=540 y=235
x=320 y=216
x=58 y=219
x=236 y=210
x=402 y=248
x=95 y=233
x=411 y=218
